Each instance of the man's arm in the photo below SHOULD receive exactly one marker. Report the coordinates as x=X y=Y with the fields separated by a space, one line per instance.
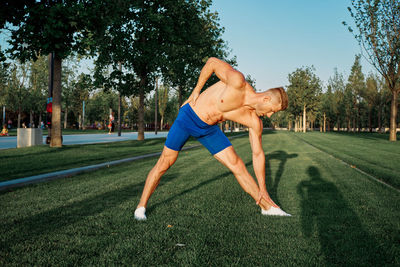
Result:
x=224 y=72
x=255 y=134
x=254 y=123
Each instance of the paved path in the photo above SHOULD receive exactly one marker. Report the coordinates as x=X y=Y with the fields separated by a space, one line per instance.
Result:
x=73 y=139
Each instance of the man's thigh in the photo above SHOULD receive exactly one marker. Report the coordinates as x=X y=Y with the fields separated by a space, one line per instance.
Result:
x=228 y=157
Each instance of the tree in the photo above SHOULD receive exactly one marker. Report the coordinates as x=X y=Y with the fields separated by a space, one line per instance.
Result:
x=383 y=104
x=303 y=91
x=337 y=84
x=58 y=27
x=4 y=77
x=193 y=35
x=163 y=97
x=17 y=89
x=36 y=100
x=355 y=90
x=371 y=96
x=169 y=37
x=68 y=85
x=378 y=25
x=327 y=108
x=82 y=87
x=98 y=107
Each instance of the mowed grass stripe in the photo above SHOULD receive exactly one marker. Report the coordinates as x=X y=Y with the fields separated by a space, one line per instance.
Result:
x=88 y=219
x=355 y=168
x=373 y=155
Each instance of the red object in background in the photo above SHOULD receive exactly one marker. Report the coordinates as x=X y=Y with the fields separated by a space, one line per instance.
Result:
x=49 y=107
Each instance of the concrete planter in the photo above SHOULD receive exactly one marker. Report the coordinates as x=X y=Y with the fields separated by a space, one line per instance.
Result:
x=29 y=137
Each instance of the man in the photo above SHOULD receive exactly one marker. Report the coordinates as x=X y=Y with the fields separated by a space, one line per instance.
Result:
x=232 y=98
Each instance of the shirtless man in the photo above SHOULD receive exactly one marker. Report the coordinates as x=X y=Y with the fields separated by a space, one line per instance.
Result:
x=232 y=98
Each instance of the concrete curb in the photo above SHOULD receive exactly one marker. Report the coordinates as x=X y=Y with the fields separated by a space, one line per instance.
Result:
x=71 y=172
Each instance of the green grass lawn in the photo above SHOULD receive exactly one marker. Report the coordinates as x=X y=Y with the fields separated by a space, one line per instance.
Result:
x=200 y=216
x=23 y=162
x=28 y=161
x=372 y=153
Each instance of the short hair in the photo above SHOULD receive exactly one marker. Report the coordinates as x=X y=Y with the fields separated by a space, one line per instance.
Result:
x=283 y=95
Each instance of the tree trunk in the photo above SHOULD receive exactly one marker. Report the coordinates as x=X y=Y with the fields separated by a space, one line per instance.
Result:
x=393 y=117
x=65 y=117
x=348 y=124
x=354 y=124
x=142 y=85
x=324 y=122
x=370 y=119
x=180 y=97
x=40 y=120
x=379 y=119
x=119 y=114
x=162 y=122
x=56 y=135
x=304 y=119
x=119 y=104
x=155 y=107
x=30 y=119
x=357 y=121
x=19 y=118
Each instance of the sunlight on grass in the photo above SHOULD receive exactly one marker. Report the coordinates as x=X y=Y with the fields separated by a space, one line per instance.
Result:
x=199 y=215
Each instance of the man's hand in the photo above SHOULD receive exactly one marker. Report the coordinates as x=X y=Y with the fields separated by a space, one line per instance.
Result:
x=263 y=194
x=192 y=98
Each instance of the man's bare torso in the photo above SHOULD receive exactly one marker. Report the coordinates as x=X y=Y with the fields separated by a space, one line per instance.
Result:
x=219 y=103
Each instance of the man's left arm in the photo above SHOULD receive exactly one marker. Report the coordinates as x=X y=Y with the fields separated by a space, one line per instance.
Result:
x=255 y=135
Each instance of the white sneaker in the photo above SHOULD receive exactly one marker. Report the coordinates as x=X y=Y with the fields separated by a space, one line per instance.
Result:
x=274 y=211
x=140 y=214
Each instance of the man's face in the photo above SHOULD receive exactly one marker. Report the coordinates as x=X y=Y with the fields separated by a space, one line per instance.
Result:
x=275 y=109
x=268 y=108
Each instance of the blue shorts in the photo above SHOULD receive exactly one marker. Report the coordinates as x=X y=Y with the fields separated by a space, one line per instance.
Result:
x=189 y=124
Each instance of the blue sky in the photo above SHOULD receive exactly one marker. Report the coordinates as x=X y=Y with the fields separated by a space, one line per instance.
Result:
x=272 y=38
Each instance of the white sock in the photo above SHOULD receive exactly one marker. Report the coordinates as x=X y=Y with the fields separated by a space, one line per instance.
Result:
x=140 y=214
x=274 y=211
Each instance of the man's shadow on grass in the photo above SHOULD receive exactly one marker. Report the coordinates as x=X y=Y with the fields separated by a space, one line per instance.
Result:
x=272 y=183
x=326 y=214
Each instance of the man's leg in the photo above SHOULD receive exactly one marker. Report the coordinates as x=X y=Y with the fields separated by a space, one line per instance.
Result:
x=167 y=158
x=233 y=162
